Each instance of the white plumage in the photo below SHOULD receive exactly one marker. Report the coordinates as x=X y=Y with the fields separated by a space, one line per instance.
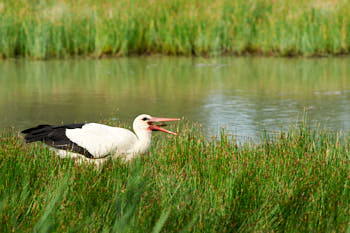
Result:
x=100 y=140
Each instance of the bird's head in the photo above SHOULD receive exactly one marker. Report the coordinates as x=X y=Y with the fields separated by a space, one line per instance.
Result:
x=146 y=122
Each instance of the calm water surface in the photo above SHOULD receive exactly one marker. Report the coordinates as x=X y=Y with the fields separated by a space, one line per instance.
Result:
x=243 y=95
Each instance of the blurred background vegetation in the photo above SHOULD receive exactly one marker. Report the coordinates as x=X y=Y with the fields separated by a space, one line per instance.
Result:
x=63 y=28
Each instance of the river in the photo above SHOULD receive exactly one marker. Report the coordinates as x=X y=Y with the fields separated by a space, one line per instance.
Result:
x=245 y=95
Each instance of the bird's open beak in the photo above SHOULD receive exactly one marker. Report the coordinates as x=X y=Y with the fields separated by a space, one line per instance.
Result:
x=157 y=127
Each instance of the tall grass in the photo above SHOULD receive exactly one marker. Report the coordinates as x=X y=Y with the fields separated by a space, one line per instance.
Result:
x=43 y=29
x=297 y=181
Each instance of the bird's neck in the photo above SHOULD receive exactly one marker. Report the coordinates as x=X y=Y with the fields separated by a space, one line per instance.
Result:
x=144 y=141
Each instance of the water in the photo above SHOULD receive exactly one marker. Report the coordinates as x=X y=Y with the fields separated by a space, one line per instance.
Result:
x=243 y=95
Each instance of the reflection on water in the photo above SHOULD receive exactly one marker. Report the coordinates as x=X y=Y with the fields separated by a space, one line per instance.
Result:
x=243 y=95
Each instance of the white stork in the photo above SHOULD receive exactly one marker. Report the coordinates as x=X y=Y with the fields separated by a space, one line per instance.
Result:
x=97 y=142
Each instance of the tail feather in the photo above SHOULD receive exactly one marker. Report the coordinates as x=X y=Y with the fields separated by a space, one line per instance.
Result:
x=55 y=136
x=35 y=129
x=48 y=133
x=37 y=133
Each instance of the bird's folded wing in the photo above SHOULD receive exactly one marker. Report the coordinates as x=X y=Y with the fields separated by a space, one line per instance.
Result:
x=100 y=140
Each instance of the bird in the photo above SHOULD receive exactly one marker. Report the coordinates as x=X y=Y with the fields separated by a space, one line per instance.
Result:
x=96 y=142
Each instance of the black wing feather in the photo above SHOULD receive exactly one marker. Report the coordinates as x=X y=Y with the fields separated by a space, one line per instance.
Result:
x=55 y=136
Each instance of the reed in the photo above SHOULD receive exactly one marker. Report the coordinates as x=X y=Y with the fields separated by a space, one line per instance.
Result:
x=65 y=28
x=295 y=181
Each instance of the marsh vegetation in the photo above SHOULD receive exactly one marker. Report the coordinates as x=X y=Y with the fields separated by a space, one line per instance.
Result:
x=294 y=181
x=65 y=28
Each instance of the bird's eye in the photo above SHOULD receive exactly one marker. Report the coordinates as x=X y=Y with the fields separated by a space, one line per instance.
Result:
x=145 y=119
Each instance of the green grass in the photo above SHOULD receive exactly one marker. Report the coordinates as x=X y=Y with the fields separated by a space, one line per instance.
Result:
x=64 y=28
x=297 y=181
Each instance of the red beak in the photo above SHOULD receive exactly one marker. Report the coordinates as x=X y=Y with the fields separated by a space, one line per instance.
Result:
x=157 y=127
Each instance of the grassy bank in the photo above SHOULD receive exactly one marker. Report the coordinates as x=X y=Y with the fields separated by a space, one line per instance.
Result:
x=295 y=182
x=44 y=29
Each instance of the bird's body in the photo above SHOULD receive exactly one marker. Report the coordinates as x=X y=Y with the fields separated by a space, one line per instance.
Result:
x=97 y=142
